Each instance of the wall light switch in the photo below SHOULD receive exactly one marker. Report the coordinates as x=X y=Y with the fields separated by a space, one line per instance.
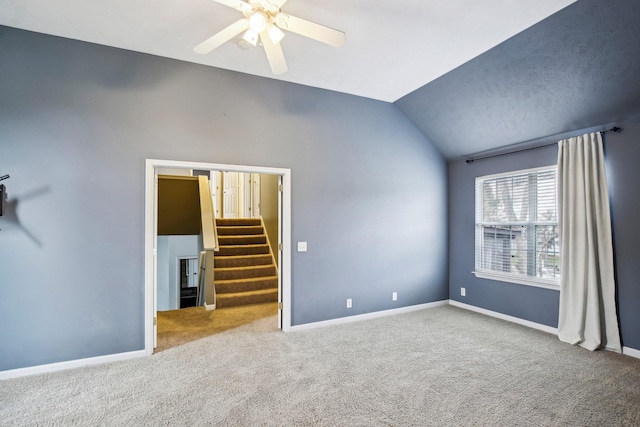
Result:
x=302 y=246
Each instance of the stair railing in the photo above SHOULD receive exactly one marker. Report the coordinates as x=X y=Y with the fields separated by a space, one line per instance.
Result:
x=206 y=285
x=209 y=232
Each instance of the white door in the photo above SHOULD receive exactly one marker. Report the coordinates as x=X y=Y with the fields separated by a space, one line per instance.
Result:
x=246 y=179
x=230 y=186
x=255 y=195
x=192 y=272
x=214 y=184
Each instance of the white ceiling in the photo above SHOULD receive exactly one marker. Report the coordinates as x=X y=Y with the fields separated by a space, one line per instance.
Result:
x=393 y=47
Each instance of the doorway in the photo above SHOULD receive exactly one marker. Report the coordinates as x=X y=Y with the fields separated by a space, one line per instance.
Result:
x=188 y=281
x=284 y=252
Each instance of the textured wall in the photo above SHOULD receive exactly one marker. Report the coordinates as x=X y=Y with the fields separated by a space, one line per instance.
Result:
x=576 y=69
x=537 y=304
x=76 y=124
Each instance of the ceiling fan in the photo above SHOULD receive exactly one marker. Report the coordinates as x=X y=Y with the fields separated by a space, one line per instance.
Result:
x=263 y=20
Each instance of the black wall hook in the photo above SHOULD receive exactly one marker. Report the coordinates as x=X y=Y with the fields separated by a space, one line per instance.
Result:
x=3 y=194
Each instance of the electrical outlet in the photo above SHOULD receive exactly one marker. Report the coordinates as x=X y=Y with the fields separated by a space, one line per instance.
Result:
x=349 y=303
x=463 y=292
x=394 y=296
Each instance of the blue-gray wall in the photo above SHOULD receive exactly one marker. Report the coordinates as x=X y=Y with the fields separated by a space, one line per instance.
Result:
x=76 y=124
x=622 y=152
x=537 y=304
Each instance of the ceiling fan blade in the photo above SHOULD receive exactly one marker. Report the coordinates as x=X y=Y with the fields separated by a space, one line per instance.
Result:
x=310 y=29
x=275 y=56
x=235 y=4
x=278 y=3
x=222 y=37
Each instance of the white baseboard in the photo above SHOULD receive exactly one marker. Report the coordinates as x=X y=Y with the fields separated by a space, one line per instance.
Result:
x=60 y=366
x=53 y=367
x=508 y=318
x=628 y=351
x=368 y=316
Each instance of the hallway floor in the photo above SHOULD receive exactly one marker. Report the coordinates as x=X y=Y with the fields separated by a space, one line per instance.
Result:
x=177 y=327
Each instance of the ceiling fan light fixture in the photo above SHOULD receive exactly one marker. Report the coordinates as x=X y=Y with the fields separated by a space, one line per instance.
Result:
x=275 y=34
x=264 y=23
x=251 y=37
x=258 y=21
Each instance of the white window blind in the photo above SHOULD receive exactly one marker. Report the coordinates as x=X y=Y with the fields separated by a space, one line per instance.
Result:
x=517 y=225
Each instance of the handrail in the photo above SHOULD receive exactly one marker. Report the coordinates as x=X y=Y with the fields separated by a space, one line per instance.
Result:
x=205 y=261
x=206 y=283
x=209 y=232
x=206 y=294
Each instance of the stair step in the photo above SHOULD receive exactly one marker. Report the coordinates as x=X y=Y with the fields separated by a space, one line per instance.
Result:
x=244 y=269
x=230 y=250
x=246 y=298
x=231 y=273
x=238 y=221
x=246 y=285
x=239 y=230
x=241 y=260
x=243 y=240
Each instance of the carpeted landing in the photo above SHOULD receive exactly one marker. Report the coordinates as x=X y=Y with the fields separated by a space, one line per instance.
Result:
x=178 y=327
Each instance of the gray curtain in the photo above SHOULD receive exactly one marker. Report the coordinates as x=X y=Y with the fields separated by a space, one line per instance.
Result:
x=587 y=287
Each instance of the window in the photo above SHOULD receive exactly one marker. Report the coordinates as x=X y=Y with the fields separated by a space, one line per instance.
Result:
x=517 y=227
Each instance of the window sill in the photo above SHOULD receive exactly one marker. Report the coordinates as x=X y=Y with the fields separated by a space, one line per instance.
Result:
x=528 y=281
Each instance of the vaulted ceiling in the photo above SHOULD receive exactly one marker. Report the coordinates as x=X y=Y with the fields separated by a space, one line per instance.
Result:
x=472 y=76
x=578 y=69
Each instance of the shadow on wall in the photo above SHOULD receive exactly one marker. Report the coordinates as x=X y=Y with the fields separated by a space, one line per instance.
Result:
x=129 y=71
x=87 y=65
x=10 y=219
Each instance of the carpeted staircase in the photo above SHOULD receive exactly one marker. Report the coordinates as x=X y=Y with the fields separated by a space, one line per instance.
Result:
x=244 y=269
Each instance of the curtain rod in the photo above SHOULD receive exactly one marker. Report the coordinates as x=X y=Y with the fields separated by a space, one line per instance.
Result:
x=614 y=129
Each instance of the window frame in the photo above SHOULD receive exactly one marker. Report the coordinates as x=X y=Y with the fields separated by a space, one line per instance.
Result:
x=481 y=273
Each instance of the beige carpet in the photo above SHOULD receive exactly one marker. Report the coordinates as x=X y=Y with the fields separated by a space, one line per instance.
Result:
x=438 y=367
x=178 y=327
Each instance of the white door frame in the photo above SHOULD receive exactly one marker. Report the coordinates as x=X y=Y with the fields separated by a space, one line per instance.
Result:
x=150 y=237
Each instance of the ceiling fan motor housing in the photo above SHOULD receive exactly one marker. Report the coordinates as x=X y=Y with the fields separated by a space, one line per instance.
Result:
x=264 y=21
